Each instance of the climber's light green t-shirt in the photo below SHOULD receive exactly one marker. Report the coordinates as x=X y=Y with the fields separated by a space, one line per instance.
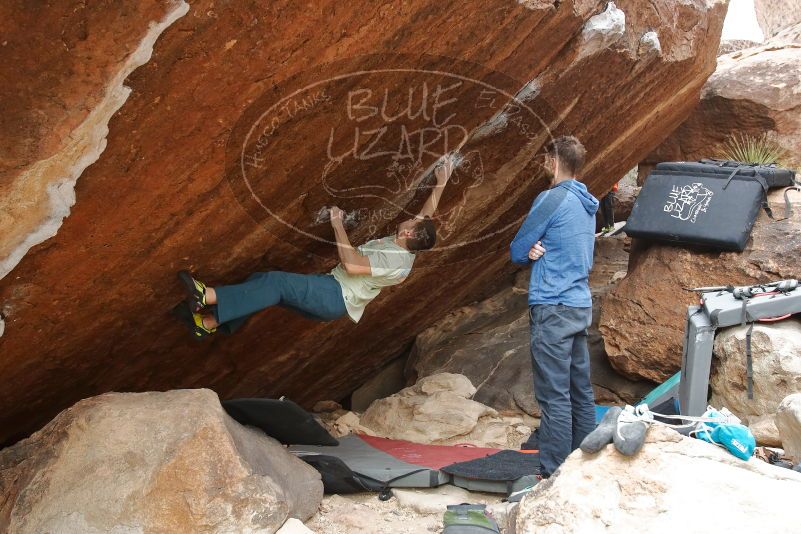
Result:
x=390 y=265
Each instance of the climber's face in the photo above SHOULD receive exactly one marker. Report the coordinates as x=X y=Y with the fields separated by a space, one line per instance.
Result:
x=406 y=228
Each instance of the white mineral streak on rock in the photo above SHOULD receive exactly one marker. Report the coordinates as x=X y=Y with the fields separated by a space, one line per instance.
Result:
x=530 y=91
x=62 y=170
x=602 y=30
x=649 y=44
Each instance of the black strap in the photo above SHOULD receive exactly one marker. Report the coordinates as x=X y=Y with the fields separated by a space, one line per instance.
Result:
x=731 y=176
x=758 y=177
x=749 y=360
x=767 y=209
x=765 y=188
x=386 y=491
x=761 y=180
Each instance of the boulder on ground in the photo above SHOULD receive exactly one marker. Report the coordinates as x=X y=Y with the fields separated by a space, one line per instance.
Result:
x=776 y=354
x=733 y=45
x=431 y=500
x=488 y=342
x=788 y=421
x=384 y=383
x=674 y=484
x=326 y=406
x=775 y=15
x=643 y=318
x=764 y=430
x=152 y=462
x=438 y=407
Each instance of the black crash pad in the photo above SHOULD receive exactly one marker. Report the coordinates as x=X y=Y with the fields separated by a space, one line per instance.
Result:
x=281 y=419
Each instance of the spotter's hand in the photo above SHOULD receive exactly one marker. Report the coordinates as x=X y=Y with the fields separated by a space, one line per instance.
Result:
x=536 y=252
x=337 y=215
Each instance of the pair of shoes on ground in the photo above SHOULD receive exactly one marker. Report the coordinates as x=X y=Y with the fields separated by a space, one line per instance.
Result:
x=623 y=427
x=188 y=311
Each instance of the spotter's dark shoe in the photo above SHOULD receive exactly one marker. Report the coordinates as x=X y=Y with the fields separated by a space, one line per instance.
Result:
x=195 y=291
x=523 y=486
x=533 y=442
x=193 y=321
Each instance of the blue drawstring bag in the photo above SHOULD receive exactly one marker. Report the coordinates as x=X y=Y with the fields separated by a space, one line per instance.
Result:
x=734 y=437
x=737 y=439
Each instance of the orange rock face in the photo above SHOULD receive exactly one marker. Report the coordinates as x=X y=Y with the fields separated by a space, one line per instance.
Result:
x=251 y=116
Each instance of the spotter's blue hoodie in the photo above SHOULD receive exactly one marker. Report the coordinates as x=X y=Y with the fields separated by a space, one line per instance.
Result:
x=563 y=218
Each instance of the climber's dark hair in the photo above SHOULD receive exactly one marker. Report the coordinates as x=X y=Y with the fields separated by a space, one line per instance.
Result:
x=425 y=235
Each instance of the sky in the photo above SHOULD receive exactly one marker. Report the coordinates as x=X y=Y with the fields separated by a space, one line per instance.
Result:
x=741 y=22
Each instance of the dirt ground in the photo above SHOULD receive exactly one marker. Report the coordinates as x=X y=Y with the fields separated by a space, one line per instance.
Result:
x=365 y=513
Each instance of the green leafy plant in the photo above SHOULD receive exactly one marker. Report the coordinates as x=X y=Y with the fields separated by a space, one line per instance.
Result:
x=761 y=149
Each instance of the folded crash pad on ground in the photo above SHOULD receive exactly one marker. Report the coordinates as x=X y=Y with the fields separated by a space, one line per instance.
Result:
x=280 y=419
x=363 y=463
x=494 y=473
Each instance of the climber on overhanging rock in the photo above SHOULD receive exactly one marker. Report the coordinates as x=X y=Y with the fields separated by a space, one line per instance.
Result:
x=347 y=289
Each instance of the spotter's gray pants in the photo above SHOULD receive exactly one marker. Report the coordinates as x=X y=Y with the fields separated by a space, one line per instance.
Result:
x=562 y=386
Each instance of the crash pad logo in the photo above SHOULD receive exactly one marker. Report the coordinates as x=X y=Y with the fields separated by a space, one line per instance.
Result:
x=688 y=201
x=368 y=140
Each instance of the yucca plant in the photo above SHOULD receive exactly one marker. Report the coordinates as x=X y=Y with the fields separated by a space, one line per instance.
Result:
x=761 y=149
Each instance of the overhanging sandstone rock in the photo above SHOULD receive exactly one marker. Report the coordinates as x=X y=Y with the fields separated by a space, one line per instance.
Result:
x=87 y=310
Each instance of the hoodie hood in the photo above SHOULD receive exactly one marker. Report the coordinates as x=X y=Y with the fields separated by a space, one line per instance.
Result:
x=589 y=202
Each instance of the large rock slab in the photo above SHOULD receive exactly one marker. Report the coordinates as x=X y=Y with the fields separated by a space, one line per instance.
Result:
x=788 y=421
x=152 y=462
x=775 y=15
x=643 y=318
x=436 y=408
x=753 y=91
x=87 y=311
x=669 y=486
x=776 y=353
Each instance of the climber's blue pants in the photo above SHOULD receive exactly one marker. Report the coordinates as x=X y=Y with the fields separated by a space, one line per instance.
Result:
x=562 y=386
x=315 y=296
